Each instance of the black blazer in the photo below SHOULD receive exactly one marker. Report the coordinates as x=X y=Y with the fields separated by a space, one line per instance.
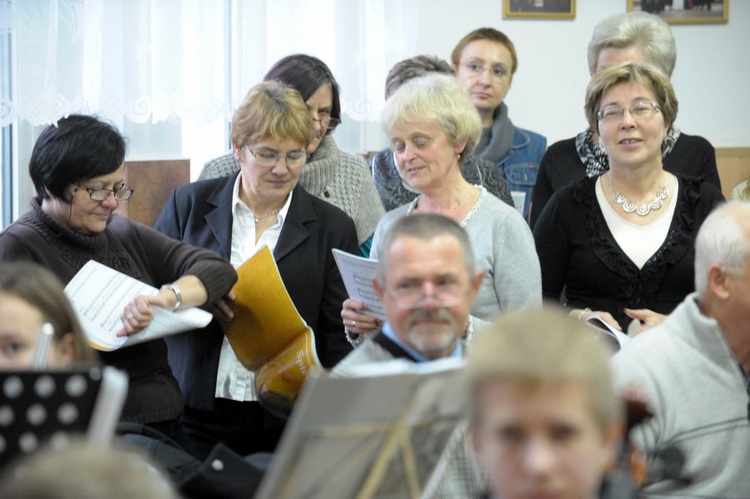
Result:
x=201 y=214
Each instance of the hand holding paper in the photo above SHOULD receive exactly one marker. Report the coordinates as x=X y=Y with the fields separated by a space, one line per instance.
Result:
x=100 y=294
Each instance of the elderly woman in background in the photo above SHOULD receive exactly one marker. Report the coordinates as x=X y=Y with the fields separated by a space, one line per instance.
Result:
x=236 y=216
x=394 y=190
x=621 y=245
x=626 y=37
x=30 y=297
x=433 y=127
x=485 y=61
x=331 y=174
x=77 y=166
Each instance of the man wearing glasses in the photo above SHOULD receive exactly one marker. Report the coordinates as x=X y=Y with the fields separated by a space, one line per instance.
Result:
x=427 y=282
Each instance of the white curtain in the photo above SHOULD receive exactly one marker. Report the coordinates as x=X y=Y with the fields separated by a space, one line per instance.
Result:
x=193 y=60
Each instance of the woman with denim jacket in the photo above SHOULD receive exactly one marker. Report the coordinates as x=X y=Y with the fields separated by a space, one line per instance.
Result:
x=485 y=61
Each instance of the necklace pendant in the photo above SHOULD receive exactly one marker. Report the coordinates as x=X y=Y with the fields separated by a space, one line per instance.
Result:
x=642 y=209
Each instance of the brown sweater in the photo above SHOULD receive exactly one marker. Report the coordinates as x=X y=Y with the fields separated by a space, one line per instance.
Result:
x=140 y=252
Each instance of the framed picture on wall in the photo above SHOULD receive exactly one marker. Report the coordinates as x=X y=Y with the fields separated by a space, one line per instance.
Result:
x=684 y=11
x=539 y=9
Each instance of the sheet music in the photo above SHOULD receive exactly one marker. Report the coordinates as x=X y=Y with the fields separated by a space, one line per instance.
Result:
x=99 y=294
x=357 y=273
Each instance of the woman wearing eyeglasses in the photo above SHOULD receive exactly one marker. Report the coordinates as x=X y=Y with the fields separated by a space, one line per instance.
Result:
x=433 y=127
x=485 y=61
x=624 y=37
x=77 y=166
x=620 y=245
x=330 y=174
x=262 y=205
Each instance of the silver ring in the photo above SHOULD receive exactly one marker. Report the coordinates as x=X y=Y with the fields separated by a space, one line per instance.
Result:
x=354 y=323
x=130 y=317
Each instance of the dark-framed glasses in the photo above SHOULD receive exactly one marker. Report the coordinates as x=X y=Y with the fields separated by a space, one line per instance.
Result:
x=269 y=157
x=121 y=192
x=640 y=110
x=410 y=295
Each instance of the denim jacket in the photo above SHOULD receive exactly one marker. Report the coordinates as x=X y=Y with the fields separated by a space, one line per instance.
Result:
x=520 y=164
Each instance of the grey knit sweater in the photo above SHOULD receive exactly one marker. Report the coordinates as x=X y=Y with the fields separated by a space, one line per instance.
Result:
x=688 y=375
x=332 y=175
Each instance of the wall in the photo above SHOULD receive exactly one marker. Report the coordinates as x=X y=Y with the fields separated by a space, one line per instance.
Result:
x=710 y=79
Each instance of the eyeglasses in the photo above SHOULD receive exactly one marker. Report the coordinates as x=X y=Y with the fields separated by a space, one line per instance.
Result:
x=326 y=121
x=410 y=294
x=268 y=158
x=122 y=192
x=640 y=110
x=496 y=72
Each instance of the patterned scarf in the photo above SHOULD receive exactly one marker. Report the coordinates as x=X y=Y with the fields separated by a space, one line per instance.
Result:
x=595 y=159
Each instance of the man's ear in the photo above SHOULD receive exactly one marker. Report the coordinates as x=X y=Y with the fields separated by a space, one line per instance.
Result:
x=379 y=289
x=476 y=282
x=717 y=282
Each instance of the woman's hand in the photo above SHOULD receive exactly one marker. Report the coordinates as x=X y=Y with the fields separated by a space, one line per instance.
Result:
x=138 y=314
x=355 y=320
x=648 y=319
x=222 y=309
x=584 y=313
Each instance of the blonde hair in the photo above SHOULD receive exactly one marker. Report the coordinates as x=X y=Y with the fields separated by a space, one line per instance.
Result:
x=542 y=346
x=644 y=74
x=272 y=110
x=437 y=99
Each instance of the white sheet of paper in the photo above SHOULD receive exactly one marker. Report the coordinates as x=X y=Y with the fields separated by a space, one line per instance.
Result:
x=357 y=273
x=99 y=294
x=601 y=326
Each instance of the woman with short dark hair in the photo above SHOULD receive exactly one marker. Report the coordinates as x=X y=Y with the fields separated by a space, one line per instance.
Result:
x=78 y=168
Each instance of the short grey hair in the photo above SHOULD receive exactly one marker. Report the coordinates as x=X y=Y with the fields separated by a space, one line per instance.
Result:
x=420 y=65
x=426 y=226
x=724 y=240
x=437 y=99
x=641 y=30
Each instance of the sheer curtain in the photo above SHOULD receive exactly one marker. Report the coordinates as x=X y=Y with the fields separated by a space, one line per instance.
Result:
x=137 y=59
x=192 y=61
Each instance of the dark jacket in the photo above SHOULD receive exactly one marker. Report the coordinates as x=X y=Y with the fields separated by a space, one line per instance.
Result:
x=201 y=213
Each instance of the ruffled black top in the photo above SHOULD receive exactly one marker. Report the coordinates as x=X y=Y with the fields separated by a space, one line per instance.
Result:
x=579 y=254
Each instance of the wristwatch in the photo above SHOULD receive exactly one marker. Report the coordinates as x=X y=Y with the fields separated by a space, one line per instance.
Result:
x=176 y=289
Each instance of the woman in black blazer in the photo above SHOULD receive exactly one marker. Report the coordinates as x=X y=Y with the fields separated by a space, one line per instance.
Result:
x=235 y=216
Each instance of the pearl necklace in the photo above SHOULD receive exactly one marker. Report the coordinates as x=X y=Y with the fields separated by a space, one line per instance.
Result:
x=641 y=209
x=271 y=213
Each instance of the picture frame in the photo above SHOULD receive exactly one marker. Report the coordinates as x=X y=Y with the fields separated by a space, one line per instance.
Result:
x=539 y=9
x=684 y=11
